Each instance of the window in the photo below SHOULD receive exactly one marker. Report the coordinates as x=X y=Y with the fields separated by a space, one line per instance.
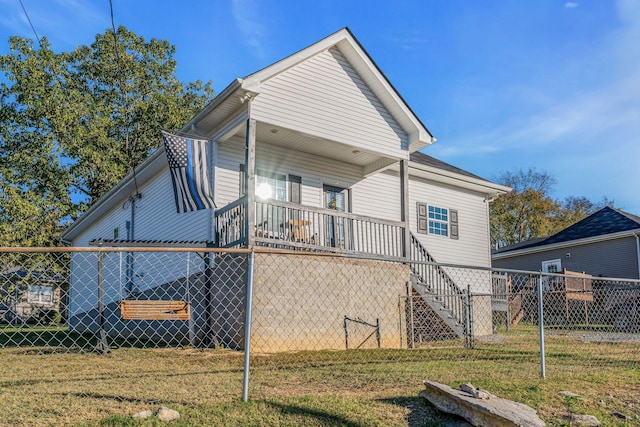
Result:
x=271 y=185
x=40 y=294
x=437 y=220
x=295 y=184
x=116 y=233
x=551 y=266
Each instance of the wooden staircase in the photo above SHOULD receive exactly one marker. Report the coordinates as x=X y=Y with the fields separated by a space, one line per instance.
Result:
x=438 y=291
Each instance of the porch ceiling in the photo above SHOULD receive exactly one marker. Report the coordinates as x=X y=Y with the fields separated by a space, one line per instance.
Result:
x=297 y=141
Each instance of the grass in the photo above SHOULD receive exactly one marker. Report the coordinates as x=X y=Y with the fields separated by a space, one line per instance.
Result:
x=326 y=388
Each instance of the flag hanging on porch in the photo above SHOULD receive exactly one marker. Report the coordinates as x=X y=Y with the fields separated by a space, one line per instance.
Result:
x=189 y=165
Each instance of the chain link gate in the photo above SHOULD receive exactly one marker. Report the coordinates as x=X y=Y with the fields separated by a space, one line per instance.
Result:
x=358 y=321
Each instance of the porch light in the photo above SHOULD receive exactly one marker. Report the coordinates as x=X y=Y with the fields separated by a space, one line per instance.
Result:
x=264 y=191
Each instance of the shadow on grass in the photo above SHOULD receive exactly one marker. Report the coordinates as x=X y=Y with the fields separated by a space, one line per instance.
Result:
x=423 y=414
x=324 y=417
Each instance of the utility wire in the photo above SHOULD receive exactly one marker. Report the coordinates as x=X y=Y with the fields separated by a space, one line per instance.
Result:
x=30 y=23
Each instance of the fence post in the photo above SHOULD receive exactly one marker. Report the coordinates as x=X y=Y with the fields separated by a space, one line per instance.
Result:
x=470 y=317
x=247 y=329
x=102 y=346
x=410 y=329
x=541 y=326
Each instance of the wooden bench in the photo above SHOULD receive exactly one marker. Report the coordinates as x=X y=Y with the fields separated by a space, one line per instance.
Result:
x=154 y=310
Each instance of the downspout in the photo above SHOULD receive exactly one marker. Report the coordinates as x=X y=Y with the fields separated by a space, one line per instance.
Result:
x=488 y=199
x=637 y=236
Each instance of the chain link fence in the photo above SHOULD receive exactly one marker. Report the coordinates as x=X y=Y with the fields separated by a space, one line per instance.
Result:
x=131 y=325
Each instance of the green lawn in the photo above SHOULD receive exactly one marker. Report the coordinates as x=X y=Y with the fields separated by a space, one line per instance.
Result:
x=330 y=388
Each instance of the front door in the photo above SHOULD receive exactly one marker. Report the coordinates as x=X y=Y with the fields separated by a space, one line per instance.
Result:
x=337 y=199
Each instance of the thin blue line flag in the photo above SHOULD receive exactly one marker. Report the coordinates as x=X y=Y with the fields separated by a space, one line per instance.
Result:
x=189 y=165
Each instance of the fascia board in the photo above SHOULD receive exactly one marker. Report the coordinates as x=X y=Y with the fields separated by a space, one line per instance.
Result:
x=567 y=244
x=226 y=92
x=419 y=134
x=254 y=81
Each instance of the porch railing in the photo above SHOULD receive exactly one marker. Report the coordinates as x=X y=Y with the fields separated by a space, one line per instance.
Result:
x=230 y=224
x=294 y=226
x=437 y=282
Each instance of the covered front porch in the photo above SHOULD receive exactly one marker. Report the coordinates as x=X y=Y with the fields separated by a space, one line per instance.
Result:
x=293 y=226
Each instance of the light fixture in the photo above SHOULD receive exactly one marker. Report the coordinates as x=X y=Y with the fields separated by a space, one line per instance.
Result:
x=356 y=151
x=274 y=130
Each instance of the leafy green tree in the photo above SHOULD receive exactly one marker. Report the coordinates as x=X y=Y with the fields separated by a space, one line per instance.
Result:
x=72 y=124
x=529 y=211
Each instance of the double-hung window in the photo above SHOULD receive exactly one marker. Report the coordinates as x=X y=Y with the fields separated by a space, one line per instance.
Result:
x=271 y=185
x=437 y=220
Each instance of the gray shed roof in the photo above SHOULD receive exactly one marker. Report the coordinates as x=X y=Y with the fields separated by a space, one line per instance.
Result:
x=605 y=221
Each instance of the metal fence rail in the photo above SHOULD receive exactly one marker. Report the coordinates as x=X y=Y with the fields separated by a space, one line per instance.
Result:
x=121 y=320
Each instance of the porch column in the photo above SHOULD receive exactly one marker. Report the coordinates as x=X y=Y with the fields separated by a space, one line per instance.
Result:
x=404 y=207
x=250 y=180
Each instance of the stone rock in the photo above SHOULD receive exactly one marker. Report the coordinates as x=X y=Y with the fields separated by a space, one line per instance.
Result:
x=142 y=415
x=495 y=412
x=476 y=392
x=166 y=414
x=584 y=420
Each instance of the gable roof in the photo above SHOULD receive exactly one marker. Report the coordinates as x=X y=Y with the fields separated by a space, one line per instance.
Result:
x=604 y=222
x=368 y=70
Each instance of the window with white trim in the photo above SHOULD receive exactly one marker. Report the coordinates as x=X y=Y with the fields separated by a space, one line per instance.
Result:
x=40 y=294
x=271 y=185
x=437 y=220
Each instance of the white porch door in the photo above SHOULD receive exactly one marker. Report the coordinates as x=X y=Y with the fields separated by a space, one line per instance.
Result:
x=336 y=198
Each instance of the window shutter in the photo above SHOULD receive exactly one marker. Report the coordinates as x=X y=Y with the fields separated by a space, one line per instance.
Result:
x=453 y=222
x=295 y=195
x=242 y=178
x=423 y=219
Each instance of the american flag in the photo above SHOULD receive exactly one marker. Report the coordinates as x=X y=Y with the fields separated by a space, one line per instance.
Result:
x=189 y=165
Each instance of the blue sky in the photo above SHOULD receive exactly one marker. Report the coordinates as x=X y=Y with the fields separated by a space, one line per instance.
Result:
x=502 y=84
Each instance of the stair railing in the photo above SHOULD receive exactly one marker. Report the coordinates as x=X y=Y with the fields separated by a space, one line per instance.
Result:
x=436 y=281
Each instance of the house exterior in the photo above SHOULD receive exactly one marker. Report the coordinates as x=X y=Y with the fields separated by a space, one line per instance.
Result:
x=604 y=244
x=316 y=152
x=31 y=296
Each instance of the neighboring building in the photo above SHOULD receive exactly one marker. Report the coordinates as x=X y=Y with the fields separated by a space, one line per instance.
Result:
x=334 y=166
x=605 y=244
x=31 y=296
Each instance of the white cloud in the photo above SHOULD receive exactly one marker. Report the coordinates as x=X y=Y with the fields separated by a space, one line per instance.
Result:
x=246 y=14
x=570 y=5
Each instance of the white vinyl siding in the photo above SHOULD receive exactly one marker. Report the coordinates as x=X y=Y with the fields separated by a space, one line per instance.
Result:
x=472 y=242
x=156 y=218
x=325 y=97
x=377 y=195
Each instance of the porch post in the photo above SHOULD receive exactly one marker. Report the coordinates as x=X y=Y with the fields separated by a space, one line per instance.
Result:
x=250 y=179
x=404 y=207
